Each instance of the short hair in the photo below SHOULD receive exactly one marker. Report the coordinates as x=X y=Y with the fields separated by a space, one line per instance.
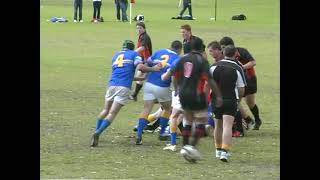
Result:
x=226 y=41
x=176 y=45
x=214 y=45
x=197 y=45
x=141 y=24
x=229 y=51
x=128 y=44
x=186 y=27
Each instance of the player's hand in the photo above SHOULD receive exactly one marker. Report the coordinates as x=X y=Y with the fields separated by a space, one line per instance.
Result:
x=157 y=67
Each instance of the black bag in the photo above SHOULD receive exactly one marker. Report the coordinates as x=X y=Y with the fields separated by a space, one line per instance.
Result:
x=240 y=17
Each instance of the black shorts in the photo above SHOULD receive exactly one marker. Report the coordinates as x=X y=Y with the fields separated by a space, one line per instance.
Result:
x=229 y=107
x=251 y=87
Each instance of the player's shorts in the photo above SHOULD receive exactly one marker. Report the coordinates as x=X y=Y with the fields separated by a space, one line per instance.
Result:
x=251 y=87
x=154 y=92
x=229 y=107
x=176 y=102
x=118 y=94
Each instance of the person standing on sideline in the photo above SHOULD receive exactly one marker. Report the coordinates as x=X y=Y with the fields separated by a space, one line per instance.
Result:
x=96 y=10
x=186 y=4
x=77 y=6
x=122 y=5
x=144 y=48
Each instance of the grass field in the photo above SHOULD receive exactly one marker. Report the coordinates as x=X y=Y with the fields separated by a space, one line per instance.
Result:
x=75 y=69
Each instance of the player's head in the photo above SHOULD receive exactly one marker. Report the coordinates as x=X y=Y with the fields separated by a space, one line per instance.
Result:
x=176 y=46
x=214 y=49
x=128 y=44
x=186 y=31
x=141 y=27
x=225 y=41
x=197 y=45
x=230 y=51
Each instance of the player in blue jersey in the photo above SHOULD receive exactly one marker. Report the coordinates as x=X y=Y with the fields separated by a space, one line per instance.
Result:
x=156 y=89
x=124 y=64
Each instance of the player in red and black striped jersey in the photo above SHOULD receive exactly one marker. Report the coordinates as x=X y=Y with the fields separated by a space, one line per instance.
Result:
x=192 y=74
x=144 y=48
x=248 y=63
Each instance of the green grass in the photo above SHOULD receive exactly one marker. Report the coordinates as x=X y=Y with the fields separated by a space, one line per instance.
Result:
x=75 y=68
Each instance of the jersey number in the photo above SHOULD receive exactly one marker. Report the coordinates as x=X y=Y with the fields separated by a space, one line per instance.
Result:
x=119 y=60
x=164 y=62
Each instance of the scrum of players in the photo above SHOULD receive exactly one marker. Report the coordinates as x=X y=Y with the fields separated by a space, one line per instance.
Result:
x=196 y=99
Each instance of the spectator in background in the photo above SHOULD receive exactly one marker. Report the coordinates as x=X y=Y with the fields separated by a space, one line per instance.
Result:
x=77 y=5
x=186 y=4
x=96 y=10
x=122 y=5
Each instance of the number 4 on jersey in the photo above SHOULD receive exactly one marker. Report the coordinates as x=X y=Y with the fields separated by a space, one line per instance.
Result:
x=119 y=60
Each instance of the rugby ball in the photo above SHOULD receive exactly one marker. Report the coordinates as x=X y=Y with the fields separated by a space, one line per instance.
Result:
x=190 y=153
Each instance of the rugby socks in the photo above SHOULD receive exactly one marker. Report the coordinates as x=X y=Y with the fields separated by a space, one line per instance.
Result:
x=103 y=126
x=137 y=90
x=163 y=124
x=99 y=121
x=141 y=125
x=255 y=112
x=226 y=147
x=173 y=134
x=200 y=130
x=186 y=132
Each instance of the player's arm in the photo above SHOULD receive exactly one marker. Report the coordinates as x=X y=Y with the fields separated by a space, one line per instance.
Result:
x=214 y=87
x=244 y=53
x=140 y=49
x=143 y=68
x=240 y=85
x=249 y=65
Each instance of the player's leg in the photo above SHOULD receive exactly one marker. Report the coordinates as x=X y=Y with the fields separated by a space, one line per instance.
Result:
x=218 y=131
x=116 y=97
x=248 y=121
x=226 y=136
x=154 y=120
x=143 y=120
x=201 y=119
x=251 y=102
x=164 y=118
x=186 y=131
x=139 y=85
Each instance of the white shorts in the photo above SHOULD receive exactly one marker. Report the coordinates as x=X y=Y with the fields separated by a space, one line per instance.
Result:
x=118 y=94
x=152 y=92
x=176 y=102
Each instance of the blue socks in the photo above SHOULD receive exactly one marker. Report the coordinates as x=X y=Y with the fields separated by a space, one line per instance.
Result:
x=163 y=124
x=104 y=124
x=174 y=138
x=99 y=121
x=142 y=124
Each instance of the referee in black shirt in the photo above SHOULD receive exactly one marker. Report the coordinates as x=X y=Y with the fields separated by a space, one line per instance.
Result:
x=231 y=81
